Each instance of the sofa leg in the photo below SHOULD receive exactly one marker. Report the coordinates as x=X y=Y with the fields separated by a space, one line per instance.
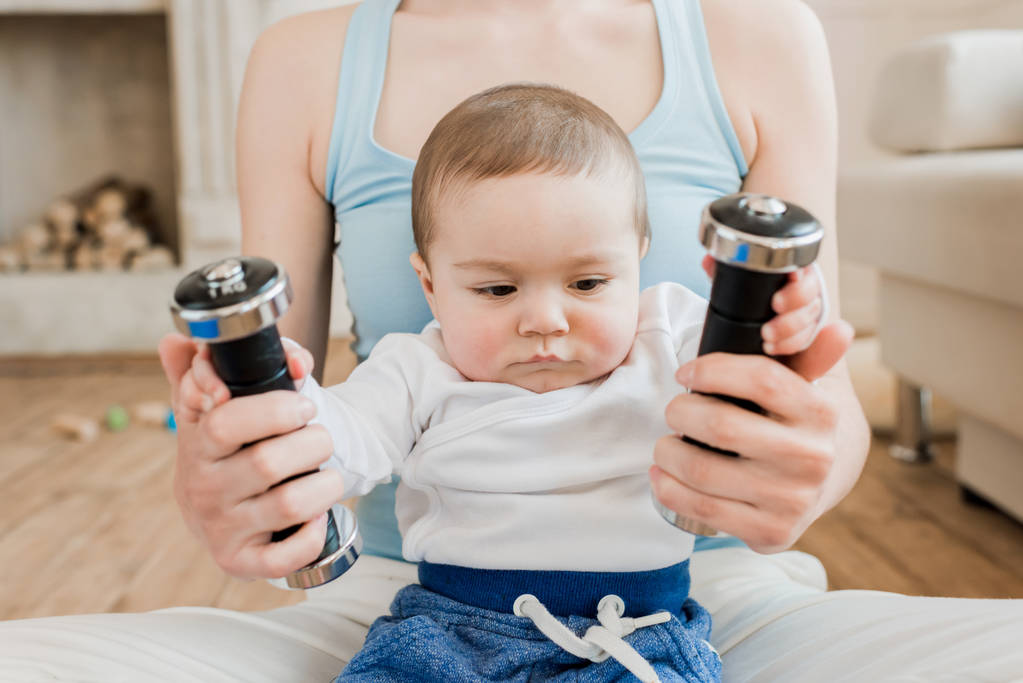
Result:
x=912 y=424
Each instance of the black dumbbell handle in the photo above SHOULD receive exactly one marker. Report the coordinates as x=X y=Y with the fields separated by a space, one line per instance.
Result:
x=740 y=304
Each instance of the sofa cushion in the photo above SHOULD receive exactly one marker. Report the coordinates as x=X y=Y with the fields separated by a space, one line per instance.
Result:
x=953 y=219
x=951 y=91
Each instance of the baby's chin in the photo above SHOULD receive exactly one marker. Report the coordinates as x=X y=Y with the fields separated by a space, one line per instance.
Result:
x=544 y=381
x=540 y=380
x=542 y=385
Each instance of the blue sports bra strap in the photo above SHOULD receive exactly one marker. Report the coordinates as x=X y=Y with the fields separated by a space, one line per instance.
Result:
x=363 y=66
x=697 y=51
x=671 y=59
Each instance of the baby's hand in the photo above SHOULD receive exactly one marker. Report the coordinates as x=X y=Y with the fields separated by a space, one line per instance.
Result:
x=202 y=389
x=799 y=306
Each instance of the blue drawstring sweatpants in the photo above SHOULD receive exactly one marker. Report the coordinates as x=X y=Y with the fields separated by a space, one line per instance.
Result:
x=437 y=633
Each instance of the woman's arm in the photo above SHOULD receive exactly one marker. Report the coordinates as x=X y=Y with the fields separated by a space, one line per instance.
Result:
x=231 y=453
x=772 y=62
x=284 y=120
x=796 y=158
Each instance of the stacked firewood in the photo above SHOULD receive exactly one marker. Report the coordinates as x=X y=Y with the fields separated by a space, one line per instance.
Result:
x=107 y=226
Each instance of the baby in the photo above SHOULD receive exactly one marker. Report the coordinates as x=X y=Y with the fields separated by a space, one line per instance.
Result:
x=522 y=420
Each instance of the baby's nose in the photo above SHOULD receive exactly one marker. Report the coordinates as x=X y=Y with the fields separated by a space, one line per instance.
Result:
x=543 y=314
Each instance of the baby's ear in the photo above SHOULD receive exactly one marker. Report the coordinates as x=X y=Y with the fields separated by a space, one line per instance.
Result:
x=419 y=265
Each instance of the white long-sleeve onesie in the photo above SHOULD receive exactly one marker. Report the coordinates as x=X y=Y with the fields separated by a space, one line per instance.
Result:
x=495 y=476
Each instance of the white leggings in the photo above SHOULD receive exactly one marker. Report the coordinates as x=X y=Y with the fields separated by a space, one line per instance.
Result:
x=773 y=621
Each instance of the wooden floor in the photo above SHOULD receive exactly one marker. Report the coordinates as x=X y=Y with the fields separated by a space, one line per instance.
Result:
x=93 y=527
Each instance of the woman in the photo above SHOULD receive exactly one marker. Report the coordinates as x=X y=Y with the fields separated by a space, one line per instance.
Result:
x=306 y=143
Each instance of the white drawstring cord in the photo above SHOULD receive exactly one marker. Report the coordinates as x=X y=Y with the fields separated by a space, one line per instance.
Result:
x=599 y=642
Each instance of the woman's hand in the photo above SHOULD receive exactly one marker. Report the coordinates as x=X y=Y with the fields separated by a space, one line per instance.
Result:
x=776 y=490
x=232 y=453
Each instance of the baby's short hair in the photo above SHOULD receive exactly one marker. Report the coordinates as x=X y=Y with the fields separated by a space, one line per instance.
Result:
x=520 y=128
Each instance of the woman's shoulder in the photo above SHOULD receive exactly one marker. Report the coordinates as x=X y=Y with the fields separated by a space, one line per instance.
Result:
x=745 y=36
x=307 y=33
x=294 y=67
x=764 y=23
x=759 y=49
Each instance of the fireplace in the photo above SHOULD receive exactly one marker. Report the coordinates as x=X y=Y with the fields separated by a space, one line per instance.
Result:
x=145 y=90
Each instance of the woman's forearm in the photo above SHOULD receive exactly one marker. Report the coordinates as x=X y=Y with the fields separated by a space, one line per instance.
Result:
x=852 y=438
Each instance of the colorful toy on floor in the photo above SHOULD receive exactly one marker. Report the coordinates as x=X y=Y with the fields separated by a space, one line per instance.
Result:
x=116 y=418
x=151 y=413
x=76 y=427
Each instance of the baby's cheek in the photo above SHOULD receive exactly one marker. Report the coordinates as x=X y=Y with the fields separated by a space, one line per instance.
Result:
x=476 y=352
x=612 y=339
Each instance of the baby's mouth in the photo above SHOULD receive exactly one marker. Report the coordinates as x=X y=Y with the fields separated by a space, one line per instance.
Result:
x=544 y=358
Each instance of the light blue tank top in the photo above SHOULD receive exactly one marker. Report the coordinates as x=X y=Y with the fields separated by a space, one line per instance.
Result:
x=687 y=147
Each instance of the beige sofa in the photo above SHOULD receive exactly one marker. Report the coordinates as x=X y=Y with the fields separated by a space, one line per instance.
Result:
x=941 y=218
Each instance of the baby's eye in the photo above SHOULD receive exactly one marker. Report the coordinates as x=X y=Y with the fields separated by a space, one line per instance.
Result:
x=496 y=291
x=589 y=284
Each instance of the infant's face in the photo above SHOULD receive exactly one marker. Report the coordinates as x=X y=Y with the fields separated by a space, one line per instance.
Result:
x=535 y=278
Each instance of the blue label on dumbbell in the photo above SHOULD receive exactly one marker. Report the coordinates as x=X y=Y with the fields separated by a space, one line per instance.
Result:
x=204 y=329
